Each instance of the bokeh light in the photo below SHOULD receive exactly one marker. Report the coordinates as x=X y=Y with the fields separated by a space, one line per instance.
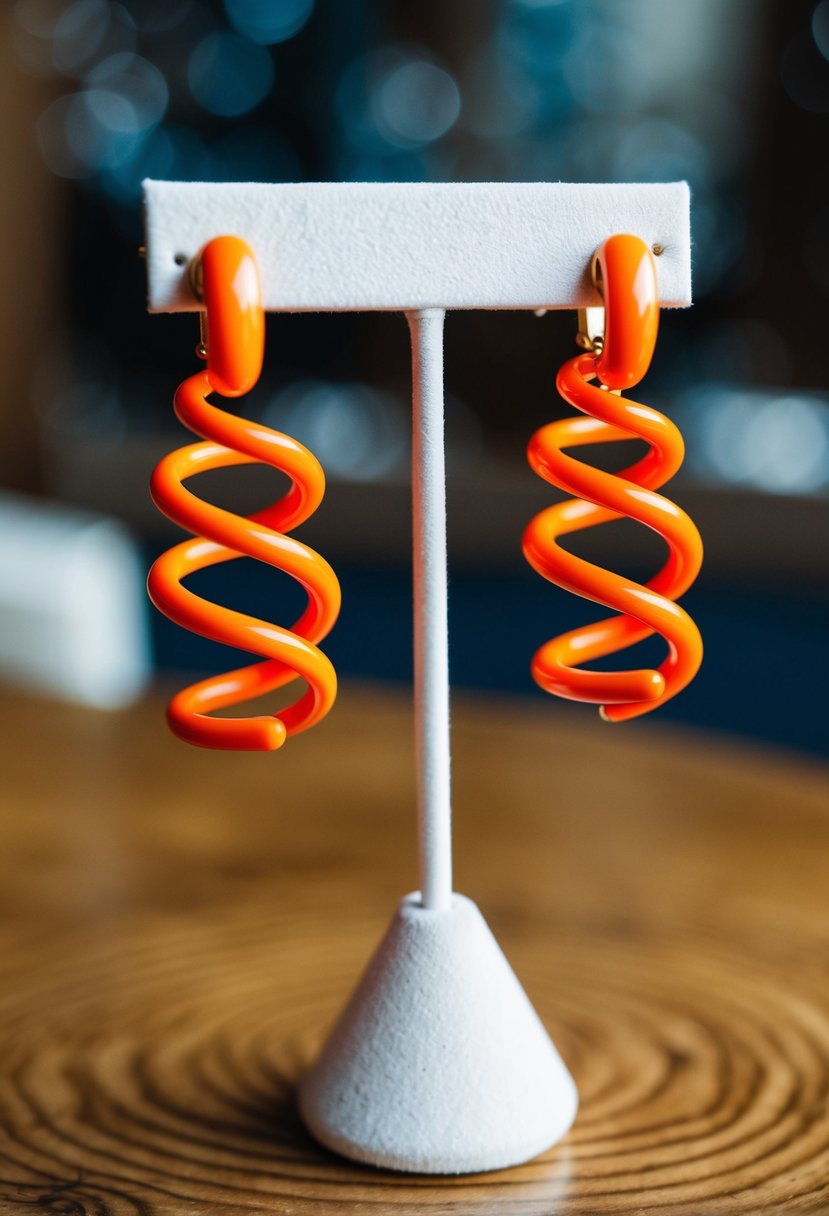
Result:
x=154 y=157
x=415 y=102
x=138 y=81
x=820 y=27
x=33 y=29
x=500 y=101
x=79 y=32
x=268 y=21
x=394 y=107
x=657 y=150
x=358 y=433
x=229 y=75
x=87 y=30
x=774 y=442
x=84 y=132
x=607 y=69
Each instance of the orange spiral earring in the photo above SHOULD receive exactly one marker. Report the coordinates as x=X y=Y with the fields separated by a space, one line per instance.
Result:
x=625 y=275
x=226 y=276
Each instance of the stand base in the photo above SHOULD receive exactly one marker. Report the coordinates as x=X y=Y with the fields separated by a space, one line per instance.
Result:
x=439 y=1063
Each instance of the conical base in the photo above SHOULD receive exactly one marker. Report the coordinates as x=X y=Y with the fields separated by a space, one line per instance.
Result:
x=439 y=1063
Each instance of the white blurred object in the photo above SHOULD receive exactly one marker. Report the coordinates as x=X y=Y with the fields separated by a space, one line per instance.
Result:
x=72 y=614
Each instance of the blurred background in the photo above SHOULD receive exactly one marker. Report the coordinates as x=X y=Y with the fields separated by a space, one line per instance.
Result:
x=732 y=95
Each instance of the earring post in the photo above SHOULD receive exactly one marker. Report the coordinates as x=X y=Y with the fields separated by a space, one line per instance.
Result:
x=431 y=647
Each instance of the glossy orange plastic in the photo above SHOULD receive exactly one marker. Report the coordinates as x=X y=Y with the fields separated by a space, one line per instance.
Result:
x=627 y=278
x=221 y=536
x=235 y=337
x=625 y=275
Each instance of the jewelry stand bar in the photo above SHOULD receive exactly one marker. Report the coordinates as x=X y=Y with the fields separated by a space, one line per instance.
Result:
x=357 y=246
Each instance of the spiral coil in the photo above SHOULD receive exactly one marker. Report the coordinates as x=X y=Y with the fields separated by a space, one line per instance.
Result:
x=628 y=279
x=221 y=536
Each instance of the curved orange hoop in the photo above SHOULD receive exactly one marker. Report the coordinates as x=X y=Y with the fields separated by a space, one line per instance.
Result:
x=627 y=277
x=228 y=277
x=231 y=293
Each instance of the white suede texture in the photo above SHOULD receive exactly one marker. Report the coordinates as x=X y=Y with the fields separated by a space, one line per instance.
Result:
x=439 y=1063
x=356 y=246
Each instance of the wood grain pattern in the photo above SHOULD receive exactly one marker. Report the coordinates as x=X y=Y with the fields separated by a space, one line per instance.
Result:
x=179 y=928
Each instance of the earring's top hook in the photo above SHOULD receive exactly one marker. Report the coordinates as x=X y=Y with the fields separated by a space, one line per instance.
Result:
x=195 y=277
x=591 y=329
x=591 y=320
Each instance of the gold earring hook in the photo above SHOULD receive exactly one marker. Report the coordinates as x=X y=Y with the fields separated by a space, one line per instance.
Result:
x=195 y=277
x=591 y=320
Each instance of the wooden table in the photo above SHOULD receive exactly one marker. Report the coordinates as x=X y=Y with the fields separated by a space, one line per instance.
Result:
x=180 y=927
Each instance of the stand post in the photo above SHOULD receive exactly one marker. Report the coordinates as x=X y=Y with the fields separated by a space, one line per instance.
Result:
x=431 y=649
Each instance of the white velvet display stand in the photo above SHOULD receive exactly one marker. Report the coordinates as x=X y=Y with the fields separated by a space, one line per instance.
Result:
x=438 y=1064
